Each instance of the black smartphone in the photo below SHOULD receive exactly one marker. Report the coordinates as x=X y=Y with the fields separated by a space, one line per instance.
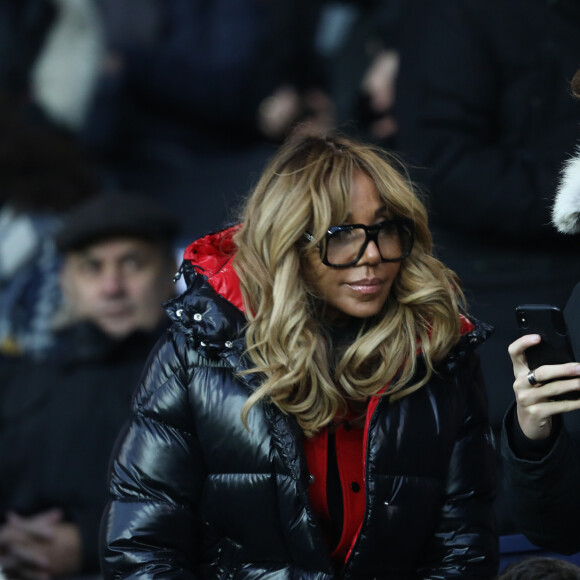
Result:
x=555 y=347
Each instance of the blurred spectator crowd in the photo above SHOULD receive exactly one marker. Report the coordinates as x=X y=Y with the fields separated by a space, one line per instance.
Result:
x=178 y=100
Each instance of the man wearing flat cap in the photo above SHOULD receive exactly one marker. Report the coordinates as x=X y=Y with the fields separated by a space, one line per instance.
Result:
x=59 y=418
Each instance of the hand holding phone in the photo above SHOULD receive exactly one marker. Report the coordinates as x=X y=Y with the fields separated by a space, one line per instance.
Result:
x=555 y=347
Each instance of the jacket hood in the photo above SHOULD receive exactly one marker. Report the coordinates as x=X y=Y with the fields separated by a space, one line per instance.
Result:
x=212 y=256
x=210 y=311
x=566 y=209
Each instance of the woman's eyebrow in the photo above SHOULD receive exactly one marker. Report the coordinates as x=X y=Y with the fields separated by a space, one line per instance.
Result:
x=378 y=212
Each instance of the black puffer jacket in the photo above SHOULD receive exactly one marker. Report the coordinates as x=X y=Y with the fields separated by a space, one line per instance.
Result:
x=197 y=495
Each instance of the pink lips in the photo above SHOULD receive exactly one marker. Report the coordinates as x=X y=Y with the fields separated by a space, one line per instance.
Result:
x=366 y=285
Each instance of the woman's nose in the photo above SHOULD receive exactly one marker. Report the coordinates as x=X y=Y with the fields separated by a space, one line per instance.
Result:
x=371 y=255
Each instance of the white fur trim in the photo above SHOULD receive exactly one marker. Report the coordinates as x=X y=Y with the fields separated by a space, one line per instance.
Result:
x=566 y=209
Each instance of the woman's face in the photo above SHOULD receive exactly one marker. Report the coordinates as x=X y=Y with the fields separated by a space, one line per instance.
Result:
x=361 y=290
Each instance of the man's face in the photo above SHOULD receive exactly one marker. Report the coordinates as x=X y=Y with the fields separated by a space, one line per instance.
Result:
x=118 y=284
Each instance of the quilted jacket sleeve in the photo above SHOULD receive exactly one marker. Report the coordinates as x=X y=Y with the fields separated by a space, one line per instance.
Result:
x=465 y=545
x=150 y=527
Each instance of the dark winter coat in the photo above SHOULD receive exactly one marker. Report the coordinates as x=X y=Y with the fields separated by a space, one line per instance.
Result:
x=199 y=81
x=486 y=109
x=543 y=492
x=542 y=479
x=197 y=495
x=59 y=419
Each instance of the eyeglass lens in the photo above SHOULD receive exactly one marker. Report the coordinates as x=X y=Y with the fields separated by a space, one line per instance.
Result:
x=345 y=246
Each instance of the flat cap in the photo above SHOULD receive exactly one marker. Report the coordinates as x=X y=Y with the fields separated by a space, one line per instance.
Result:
x=109 y=215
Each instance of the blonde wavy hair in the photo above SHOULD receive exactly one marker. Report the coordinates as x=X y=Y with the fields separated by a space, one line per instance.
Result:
x=306 y=187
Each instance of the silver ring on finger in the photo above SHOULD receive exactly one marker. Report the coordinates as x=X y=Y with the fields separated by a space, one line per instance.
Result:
x=532 y=378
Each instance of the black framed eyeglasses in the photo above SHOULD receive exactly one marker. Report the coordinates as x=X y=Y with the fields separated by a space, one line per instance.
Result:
x=344 y=246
